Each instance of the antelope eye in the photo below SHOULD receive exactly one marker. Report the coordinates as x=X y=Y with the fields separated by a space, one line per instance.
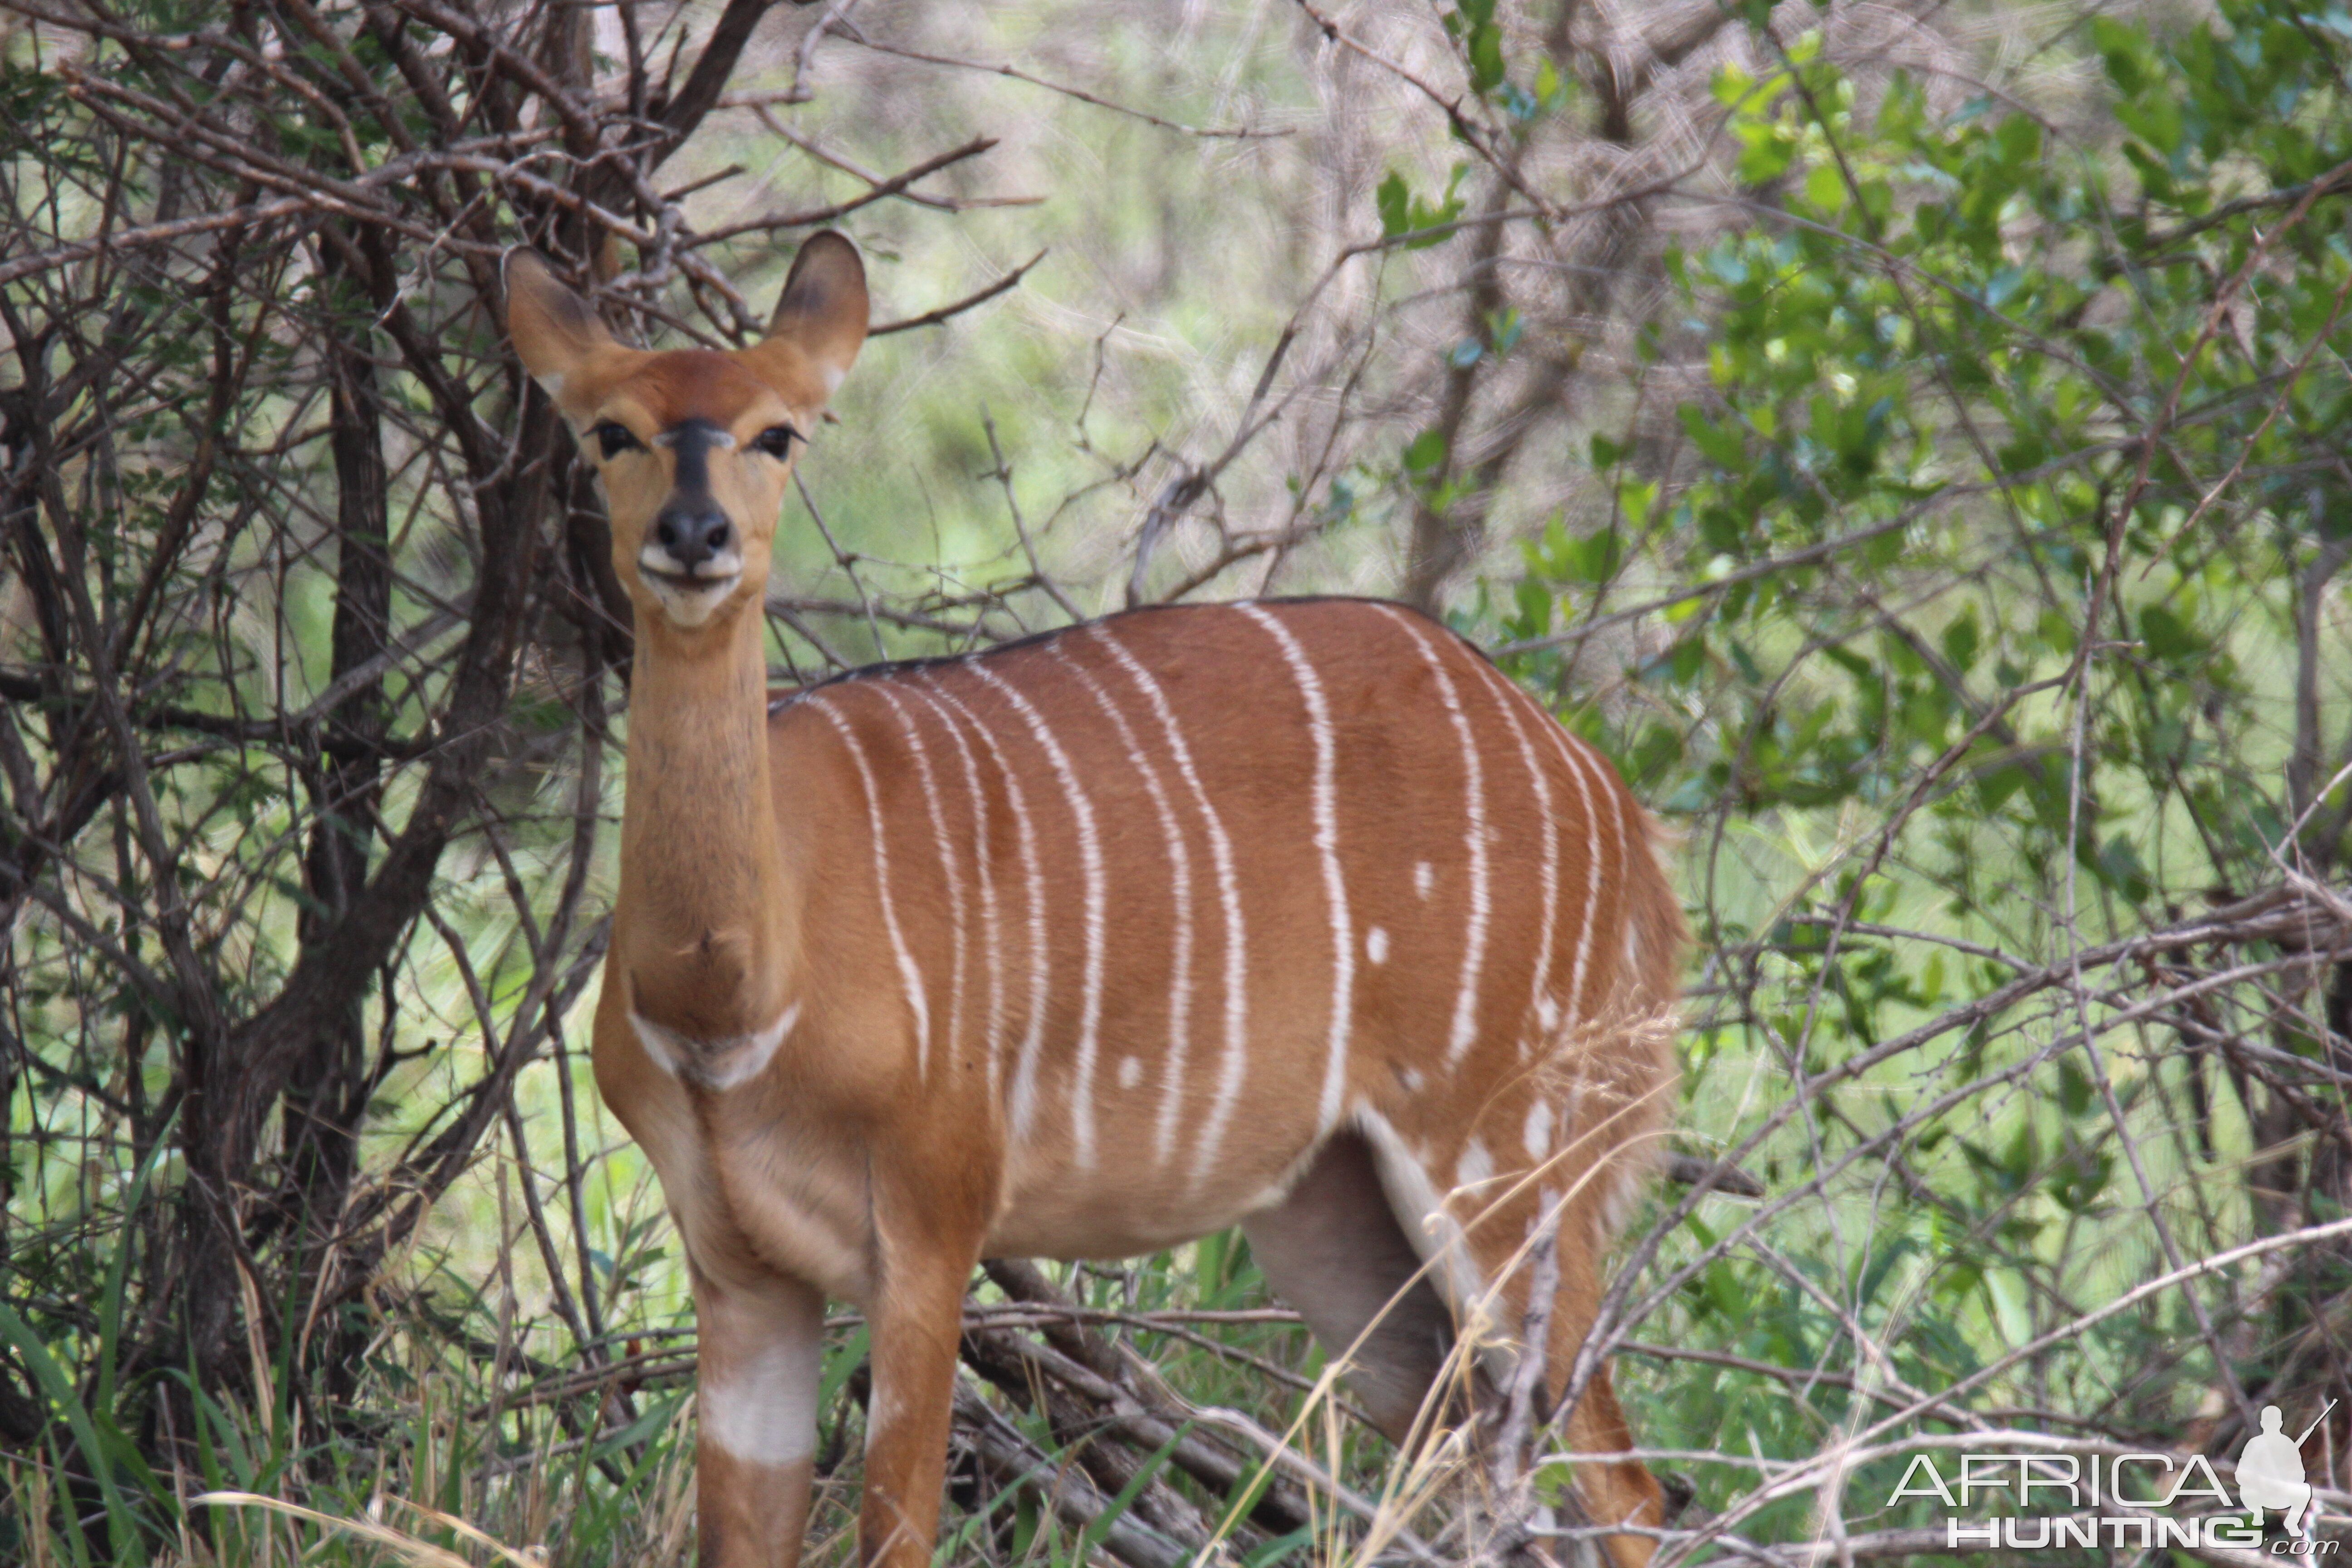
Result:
x=614 y=438
x=777 y=440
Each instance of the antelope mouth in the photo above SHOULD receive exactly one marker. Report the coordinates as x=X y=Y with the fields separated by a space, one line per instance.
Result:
x=690 y=597
x=664 y=573
x=689 y=582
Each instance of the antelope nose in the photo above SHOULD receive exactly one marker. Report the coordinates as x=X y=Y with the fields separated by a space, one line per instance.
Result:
x=692 y=533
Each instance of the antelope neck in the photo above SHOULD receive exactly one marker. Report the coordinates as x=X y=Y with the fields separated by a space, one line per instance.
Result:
x=703 y=877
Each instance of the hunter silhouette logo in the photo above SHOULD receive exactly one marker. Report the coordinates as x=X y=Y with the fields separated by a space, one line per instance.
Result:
x=2147 y=1500
x=2270 y=1473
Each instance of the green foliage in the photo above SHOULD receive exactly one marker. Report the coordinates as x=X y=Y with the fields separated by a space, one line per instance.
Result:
x=1404 y=215
x=1980 y=550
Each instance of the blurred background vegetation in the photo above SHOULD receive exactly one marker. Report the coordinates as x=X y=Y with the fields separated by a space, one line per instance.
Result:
x=1908 y=437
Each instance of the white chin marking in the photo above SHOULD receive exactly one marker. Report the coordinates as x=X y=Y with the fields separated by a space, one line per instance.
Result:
x=692 y=606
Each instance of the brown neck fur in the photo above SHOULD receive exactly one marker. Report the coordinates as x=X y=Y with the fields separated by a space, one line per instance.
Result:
x=702 y=865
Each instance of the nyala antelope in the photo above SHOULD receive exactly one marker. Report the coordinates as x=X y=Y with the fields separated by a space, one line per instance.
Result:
x=1289 y=914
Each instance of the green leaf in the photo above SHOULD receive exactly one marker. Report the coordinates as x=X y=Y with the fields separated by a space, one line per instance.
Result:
x=2075 y=1091
x=2121 y=46
x=1960 y=640
x=1716 y=436
x=1486 y=58
x=1599 y=556
x=1395 y=204
x=1825 y=188
x=2020 y=140
x=1424 y=455
x=1768 y=150
x=2168 y=636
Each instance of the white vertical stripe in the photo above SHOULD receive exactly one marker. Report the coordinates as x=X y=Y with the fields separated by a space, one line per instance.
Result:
x=1327 y=844
x=1571 y=755
x=1024 y=1101
x=1536 y=1135
x=1618 y=801
x=1082 y=1086
x=1508 y=699
x=947 y=865
x=1606 y=778
x=1221 y=854
x=1180 y=872
x=1474 y=837
x=992 y=937
x=908 y=975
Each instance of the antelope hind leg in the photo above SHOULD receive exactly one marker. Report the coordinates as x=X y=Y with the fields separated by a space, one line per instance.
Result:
x=1333 y=1249
x=1608 y=1492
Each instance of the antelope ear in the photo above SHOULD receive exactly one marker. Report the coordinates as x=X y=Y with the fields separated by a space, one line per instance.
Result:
x=824 y=311
x=554 y=331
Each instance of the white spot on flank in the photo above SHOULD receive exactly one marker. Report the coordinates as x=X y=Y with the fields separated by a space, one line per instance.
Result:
x=1327 y=844
x=1023 y=1101
x=1180 y=879
x=714 y=1064
x=1474 y=790
x=1221 y=852
x=1413 y=1079
x=1090 y=860
x=1130 y=1071
x=1538 y=1136
x=910 y=977
x=1424 y=876
x=1546 y=1013
x=1376 y=945
x=1475 y=1168
x=763 y=1408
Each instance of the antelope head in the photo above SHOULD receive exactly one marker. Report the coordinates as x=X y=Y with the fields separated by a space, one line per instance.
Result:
x=694 y=447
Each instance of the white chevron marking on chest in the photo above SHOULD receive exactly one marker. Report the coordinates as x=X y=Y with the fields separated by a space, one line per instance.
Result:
x=713 y=1064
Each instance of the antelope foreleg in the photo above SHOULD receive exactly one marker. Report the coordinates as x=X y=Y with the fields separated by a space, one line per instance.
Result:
x=755 y=1392
x=915 y=1319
